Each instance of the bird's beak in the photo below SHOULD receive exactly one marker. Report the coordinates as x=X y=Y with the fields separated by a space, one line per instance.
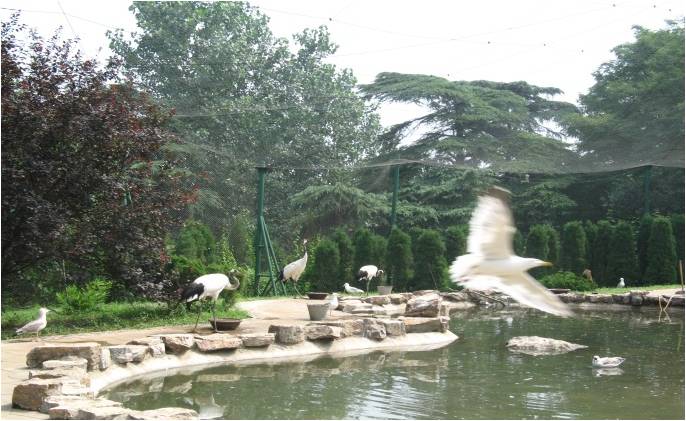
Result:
x=547 y=264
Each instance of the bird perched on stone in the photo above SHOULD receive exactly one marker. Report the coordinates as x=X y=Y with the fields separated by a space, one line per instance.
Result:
x=491 y=262
x=352 y=290
x=37 y=325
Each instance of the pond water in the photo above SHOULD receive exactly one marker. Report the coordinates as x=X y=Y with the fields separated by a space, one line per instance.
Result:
x=476 y=377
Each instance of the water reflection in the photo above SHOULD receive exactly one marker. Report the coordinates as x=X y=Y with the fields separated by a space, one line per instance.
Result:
x=476 y=377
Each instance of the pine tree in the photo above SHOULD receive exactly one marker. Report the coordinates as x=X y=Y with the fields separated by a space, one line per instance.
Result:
x=553 y=246
x=362 y=240
x=621 y=258
x=430 y=265
x=601 y=246
x=399 y=259
x=573 y=250
x=661 y=254
x=455 y=241
x=642 y=243
x=518 y=243
x=678 y=229
x=537 y=246
x=326 y=260
x=346 y=254
x=591 y=230
x=378 y=254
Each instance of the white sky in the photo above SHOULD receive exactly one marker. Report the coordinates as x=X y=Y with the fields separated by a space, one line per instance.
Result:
x=546 y=43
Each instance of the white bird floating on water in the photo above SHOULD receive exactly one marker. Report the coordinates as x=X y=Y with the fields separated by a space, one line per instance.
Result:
x=208 y=286
x=293 y=270
x=607 y=362
x=333 y=304
x=621 y=283
x=37 y=325
x=368 y=272
x=352 y=290
x=491 y=262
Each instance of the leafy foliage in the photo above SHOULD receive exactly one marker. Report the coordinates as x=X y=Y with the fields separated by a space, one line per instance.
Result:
x=196 y=242
x=346 y=254
x=455 y=241
x=621 y=259
x=537 y=246
x=327 y=259
x=430 y=267
x=363 y=249
x=645 y=224
x=661 y=254
x=399 y=260
x=573 y=250
x=601 y=250
x=76 y=300
x=568 y=280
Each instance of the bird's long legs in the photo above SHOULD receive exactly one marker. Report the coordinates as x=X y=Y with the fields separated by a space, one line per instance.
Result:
x=296 y=290
x=198 y=318
x=367 y=290
x=214 y=315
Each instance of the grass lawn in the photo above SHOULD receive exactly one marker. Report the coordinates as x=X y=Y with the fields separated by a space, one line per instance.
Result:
x=630 y=288
x=113 y=316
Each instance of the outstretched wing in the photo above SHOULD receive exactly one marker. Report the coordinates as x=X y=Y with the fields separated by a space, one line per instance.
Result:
x=491 y=227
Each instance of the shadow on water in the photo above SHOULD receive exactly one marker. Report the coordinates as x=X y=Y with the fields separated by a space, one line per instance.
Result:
x=476 y=377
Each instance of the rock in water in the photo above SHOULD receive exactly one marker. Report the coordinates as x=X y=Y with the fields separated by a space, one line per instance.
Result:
x=536 y=345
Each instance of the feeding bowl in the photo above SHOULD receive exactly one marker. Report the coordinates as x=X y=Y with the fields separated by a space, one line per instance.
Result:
x=226 y=324
x=559 y=290
x=317 y=295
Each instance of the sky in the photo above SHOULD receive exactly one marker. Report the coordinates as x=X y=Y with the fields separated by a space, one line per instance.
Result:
x=545 y=43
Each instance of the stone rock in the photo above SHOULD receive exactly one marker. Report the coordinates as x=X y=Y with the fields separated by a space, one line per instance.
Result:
x=348 y=307
x=123 y=354
x=445 y=323
x=90 y=351
x=619 y=298
x=605 y=298
x=636 y=300
x=90 y=412
x=77 y=373
x=73 y=402
x=444 y=310
x=322 y=332
x=74 y=387
x=255 y=340
x=378 y=300
x=362 y=310
x=427 y=305
x=422 y=324
x=287 y=334
x=217 y=342
x=424 y=292
x=154 y=344
x=593 y=298
x=349 y=327
x=397 y=298
x=178 y=343
x=66 y=362
x=651 y=300
x=578 y=298
x=394 y=309
x=30 y=394
x=455 y=296
x=374 y=329
x=677 y=301
x=394 y=327
x=536 y=345
x=164 y=414
x=350 y=302
x=105 y=358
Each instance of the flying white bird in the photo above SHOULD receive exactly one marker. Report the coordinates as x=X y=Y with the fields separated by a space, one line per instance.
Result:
x=607 y=362
x=293 y=270
x=352 y=290
x=621 y=283
x=37 y=325
x=368 y=272
x=491 y=262
x=208 y=286
x=333 y=304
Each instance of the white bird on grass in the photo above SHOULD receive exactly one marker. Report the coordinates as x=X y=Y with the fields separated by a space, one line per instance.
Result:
x=293 y=270
x=208 y=286
x=368 y=272
x=607 y=362
x=352 y=290
x=37 y=325
x=621 y=283
x=333 y=304
x=491 y=262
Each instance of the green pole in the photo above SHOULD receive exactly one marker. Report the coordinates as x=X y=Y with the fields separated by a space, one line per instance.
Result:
x=396 y=187
x=647 y=175
x=259 y=228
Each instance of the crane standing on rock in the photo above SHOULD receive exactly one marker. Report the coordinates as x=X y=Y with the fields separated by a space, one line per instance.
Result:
x=294 y=270
x=209 y=286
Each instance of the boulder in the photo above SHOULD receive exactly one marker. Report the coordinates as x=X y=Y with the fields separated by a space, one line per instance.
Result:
x=619 y=298
x=154 y=343
x=394 y=327
x=427 y=305
x=536 y=345
x=70 y=404
x=287 y=334
x=256 y=340
x=66 y=362
x=378 y=300
x=374 y=329
x=422 y=324
x=605 y=298
x=89 y=411
x=457 y=297
x=178 y=343
x=322 y=332
x=73 y=387
x=217 y=342
x=349 y=327
x=651 y=300
x=350 y=302
x=76 y=373
x=90 y=351
x=123 y=354
x=105 y=358
x=636 y=300
x=164 y=414
x=394 y=310
x=348 y=307
x=677 y=301
x=423 y=292
x=362 y=310
x=444 y=310
x=593 y=298
x=398 y=298
x=30 y=394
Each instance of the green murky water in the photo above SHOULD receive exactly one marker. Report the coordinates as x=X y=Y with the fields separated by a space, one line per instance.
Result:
x=475 y=378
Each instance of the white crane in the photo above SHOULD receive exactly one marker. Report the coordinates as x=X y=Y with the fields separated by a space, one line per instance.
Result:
x=333 y=304
x=294 y=270
x=607 y=362
x=621 y=283
x=208 y=286
x=352 y=290
x=491 y=262
x=368 y=272
x=37 y=325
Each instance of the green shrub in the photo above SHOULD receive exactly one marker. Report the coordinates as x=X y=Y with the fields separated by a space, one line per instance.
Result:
x=661 y=254
x=621 y=257
x=601 y=246
x=77 y=300
x=363 y=249
x=591 y=230
x=430 y=265
x=553 y=246
x=241 y=235
x=573 y=250
x=195 y=241
x=537 y=245
x=399 y=259
x=324 y=271
x=183 y=270
x=455 y=241
x=346 y=254
x=518 y=243
x=568 y=280
x=678 y=229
